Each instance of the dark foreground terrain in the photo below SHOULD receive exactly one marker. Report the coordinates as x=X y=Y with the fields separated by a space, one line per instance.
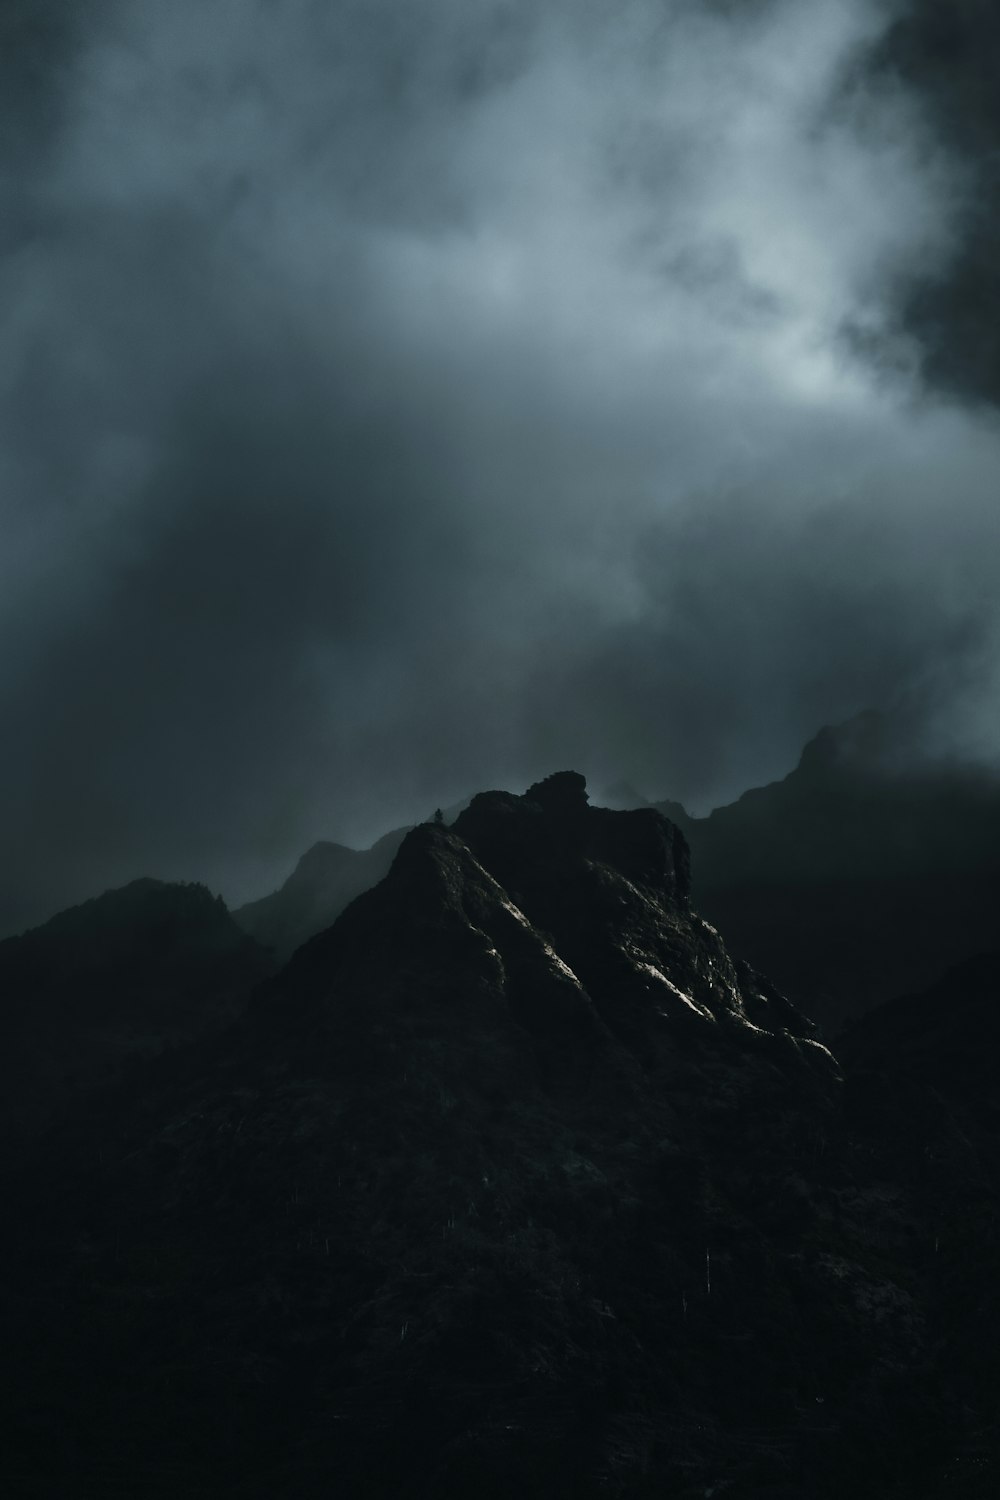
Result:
x=513 y=1183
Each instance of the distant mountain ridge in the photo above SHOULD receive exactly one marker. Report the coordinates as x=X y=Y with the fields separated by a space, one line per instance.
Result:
x=858 y=876
x=325 y=880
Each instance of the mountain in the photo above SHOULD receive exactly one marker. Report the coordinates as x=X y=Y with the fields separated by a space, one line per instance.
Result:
x=128 y=974
x=856 y=877
x=850 y=881
x=512 y=1182
x=325 y=880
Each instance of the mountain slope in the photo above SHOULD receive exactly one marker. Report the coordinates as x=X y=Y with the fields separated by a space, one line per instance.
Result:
x=129 y=973
x=852 y=880
x=924 y=1084
x=511 y=1183
x=326 y=879
x=857 y=877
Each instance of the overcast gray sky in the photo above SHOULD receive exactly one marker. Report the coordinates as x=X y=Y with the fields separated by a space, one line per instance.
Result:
x=402 y=397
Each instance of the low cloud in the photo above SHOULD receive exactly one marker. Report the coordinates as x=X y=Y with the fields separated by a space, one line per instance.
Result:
x=402 y=399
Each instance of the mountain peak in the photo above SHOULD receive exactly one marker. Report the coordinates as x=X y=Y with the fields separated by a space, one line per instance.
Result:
x=522 y=838
x=562 y=792
x=559 y=918
x=510 y=1156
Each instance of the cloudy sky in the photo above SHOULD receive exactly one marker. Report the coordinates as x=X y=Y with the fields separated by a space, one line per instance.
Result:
x=401 y=397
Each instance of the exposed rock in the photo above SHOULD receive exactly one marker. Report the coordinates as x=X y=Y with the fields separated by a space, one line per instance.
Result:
x=548 y=884
x=848 y=882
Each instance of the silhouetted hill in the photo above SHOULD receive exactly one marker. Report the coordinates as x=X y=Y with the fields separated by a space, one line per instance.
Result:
x=325 y=880
x=853 y=879
x=856 y=877
x=130 y=972
x=511 y=1183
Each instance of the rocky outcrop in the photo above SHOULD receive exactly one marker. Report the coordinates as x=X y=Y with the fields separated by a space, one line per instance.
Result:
x=848 y=882
x=549 y=896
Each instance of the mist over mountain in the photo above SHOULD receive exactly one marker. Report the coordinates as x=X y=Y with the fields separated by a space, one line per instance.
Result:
x=325 y=880
x=405 y=398
x=397 y=399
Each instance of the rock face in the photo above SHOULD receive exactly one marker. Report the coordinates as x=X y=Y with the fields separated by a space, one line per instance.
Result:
x=510 y=1183
x=849 y=882
x=569 y=913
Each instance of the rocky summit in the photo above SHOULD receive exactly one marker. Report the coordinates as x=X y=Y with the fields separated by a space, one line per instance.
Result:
x=511 y=1183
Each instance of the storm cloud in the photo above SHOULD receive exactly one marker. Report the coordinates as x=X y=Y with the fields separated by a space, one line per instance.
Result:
x=950 y=56
x=399 y=399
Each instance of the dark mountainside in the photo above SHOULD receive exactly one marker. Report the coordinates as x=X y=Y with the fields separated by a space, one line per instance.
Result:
x=848 y=882
x=857 y=876
x=326 y=880
x=126 y=975
x=922 y=1086
x=514 y=1183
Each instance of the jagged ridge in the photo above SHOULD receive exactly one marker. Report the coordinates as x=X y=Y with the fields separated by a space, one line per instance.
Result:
x=506 y=1184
